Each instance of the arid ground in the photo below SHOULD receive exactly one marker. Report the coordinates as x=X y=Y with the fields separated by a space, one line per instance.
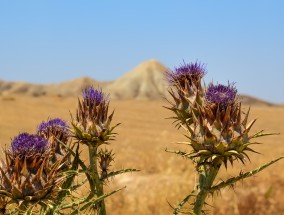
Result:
x=164 y=178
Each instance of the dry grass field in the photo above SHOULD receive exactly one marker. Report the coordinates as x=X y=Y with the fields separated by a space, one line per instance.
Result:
x=164 y=178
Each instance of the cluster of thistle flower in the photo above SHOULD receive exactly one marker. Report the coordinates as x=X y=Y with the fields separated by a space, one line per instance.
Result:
x=212 y=115
x=218 y=130
x=33 y=164
x=37 y=171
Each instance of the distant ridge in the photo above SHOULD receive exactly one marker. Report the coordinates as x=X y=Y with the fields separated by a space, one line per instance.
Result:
x=144 y=82
x=250 y=100
x=67 y=88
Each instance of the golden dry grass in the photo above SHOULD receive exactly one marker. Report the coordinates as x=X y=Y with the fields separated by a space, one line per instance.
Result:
x=143 y=137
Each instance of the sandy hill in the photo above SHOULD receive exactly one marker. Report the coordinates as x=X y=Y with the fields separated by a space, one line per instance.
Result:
x=146 y=81
x=249 y=100
x=21 y=88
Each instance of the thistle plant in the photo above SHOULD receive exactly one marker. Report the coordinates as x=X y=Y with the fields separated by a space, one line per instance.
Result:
x=92 y=127
x=42 y=172
x=218 y=131
x=27 y=177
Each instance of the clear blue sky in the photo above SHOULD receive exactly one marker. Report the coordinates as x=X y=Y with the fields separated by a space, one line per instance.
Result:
x=56 y=40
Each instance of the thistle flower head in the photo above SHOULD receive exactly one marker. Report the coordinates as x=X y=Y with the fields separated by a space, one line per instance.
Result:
x=56 y=127
x=55 y=131
x=93 y=96
x=191 y=72
x=27 y=173
x=25 y=144
x=186 y=90
x=51 y=123
x=92 y=122
x=221 y=95
x=218 y=132
x=191 y=69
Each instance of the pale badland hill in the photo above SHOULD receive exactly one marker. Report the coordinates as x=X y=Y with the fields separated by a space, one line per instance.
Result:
x=147 y=81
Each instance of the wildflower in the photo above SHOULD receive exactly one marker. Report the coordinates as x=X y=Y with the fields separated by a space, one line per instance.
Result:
x=26 y=175
x=26 y=144
x=55 y=131
x=220 y=132
x=93 y=96
x=221 y=95
x=56 y=122
x=92 y=123
x=186 y=91
x=187 y=74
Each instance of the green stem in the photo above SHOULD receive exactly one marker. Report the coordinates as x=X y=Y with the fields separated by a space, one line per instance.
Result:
x=97 y=185
x=207 y=175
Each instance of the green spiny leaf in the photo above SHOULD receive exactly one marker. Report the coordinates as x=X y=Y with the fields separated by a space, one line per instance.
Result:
x=231 y=152
x=99 y=199
x=260 y=134
x=118 y=172
x=76 y=186
x=177 y=209
x=180 y=153
x=243 y=176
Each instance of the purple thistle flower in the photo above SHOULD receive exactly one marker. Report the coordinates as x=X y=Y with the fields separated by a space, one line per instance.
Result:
x=187 y=71
x=193 y=69
x=221 y=94
x=52 y=123
x=24 y=144
x=92 y=95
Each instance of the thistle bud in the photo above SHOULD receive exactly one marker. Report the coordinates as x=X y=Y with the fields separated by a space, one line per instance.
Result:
x=92 y=123
x=26 y=174
x=105 y=158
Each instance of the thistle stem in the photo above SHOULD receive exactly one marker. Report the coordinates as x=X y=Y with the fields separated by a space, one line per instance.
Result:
x=97 y=185
x=207 y=175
